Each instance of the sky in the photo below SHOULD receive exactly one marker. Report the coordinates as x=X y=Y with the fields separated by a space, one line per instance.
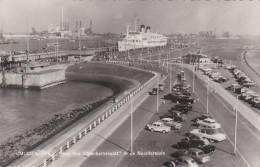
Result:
x=164 y=16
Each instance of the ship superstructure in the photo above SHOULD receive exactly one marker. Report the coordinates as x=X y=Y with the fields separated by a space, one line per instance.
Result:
x=141 y=39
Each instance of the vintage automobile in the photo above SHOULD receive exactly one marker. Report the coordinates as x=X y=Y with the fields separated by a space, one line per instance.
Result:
x=211 y=134
x=202 y=117
x=208 y=122
x=158 y=127
x=178 y=115
x=195 y=153
x=182 y=107
x=170 y=122
x=183 y=161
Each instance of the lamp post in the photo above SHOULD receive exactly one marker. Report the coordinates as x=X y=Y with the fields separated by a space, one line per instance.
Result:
x=235 y=145
x=193 y=81
x=157 y=98
x=131 y=115
x=208 y=96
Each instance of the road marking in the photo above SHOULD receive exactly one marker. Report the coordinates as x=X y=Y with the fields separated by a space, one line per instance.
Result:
x=226 y=134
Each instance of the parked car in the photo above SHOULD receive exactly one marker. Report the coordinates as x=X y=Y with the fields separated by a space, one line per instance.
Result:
x=209 y=123
x=202 y=117
x=183 y=99
x=211 y=134
x=178 y=114
x=233 y=87
x=197 y=154
x=196 y=143
x=255 y=100
x=182 y=107
x=183 y=161
x=174 y=116
x=248 y=83
x=171 y=123
x=158 y=127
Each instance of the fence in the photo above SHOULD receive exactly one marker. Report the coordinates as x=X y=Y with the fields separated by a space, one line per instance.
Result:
x=98 y=120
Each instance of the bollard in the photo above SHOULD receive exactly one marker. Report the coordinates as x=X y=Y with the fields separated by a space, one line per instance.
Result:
x=99 y=120
x=113 y=110
x=68 y=145
x=116 y=107
x=86 y=131
x=60 y=150
x=109 y=112
x=74 y=140
x=90 y=127
x=80 y=135
x=95 y=124
x=103 y=117
x=106 y=115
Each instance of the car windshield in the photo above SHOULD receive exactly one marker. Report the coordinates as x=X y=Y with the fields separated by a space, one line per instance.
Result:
x=200 y=153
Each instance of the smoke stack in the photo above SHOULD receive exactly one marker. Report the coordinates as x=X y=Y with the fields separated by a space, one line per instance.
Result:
x=68 y=26
x=148 y=29
x=80 y=24
x=77 y=26
x=142 y=28
x=90 y=26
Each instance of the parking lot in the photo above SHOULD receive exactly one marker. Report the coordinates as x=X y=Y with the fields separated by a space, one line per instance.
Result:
x=156 y=142
x=231 y=80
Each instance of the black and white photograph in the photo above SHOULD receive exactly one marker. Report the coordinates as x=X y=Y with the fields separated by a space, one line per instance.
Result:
x=129 y=83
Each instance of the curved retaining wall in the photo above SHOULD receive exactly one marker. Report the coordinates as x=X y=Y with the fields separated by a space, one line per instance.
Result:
x=122 y=101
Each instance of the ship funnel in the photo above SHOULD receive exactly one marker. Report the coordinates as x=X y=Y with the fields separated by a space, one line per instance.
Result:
x=148 y=29
x=142 y=28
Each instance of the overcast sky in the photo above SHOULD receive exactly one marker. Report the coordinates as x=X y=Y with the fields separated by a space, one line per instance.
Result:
x=165 y=16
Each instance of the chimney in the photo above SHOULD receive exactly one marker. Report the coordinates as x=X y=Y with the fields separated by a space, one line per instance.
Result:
x=77 y=26
x=148 y=29
x=68 y=26
x=80 y=24
x=90 y=26
x=142 y=28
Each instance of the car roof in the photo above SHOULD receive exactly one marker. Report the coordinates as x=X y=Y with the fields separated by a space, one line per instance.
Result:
x=194 y=150
x=187 y=158
x=168 y=119
x=210 y=120
x=157 y=122
x=211 y=130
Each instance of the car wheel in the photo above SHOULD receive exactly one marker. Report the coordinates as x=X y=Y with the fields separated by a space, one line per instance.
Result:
x=152 y=130
x=164 y=131
x=172 y=164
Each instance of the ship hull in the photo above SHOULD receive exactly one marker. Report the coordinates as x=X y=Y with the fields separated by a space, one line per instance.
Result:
x=122 y=46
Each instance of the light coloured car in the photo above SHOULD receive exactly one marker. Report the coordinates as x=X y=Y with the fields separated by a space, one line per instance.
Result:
x=158 y=127
x=208 y=122
x=211 y=134
x=248 y=83
x=170 y=122
x=195 y=153
x=183 y=161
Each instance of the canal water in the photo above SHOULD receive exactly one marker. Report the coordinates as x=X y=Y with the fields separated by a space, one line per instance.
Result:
x=21 y=110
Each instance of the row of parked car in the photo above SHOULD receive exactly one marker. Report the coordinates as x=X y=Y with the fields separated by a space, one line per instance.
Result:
x=242 y=87
x=216 y=76
x=195 y=148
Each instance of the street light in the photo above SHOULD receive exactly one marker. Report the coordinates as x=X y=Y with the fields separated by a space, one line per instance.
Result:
x=208 y=96
x=235 y=146
x=131 y=114
x=157 y=98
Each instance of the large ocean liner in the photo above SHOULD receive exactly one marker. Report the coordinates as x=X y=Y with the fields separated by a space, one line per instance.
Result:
x=141 y=39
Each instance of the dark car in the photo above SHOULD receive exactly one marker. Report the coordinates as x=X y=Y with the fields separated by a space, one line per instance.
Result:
x=196 y=143
x=182 y=107
x=178 y=117
x=183 y=99
x=202 y=117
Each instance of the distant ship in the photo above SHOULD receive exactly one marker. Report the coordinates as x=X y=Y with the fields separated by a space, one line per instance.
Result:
x=141 y=39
